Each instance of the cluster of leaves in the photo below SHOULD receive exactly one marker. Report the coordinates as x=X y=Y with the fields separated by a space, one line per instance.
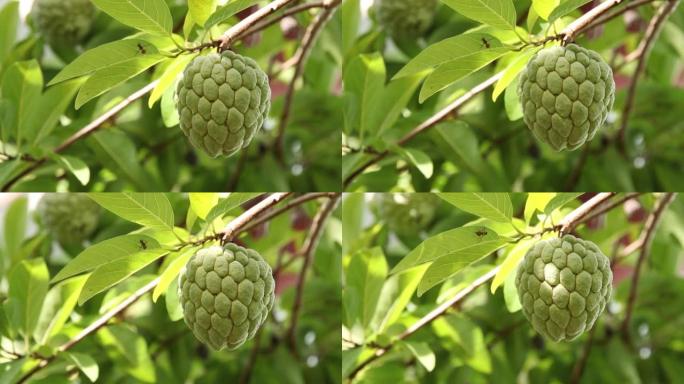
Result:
x=49 y=295
x=47 y=95
x=487 y=146
x=392 y=281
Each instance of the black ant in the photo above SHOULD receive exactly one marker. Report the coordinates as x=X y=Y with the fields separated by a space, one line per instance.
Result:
x=141 y=49
x=485 y=43
x=143 y=244
x=481 y=232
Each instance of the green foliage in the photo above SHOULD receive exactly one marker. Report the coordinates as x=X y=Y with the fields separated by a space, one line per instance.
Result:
x=437 y=318
x=88 y=96
x=455 y=131
x=116 y=295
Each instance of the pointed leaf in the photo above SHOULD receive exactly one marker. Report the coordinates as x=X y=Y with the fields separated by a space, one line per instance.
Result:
x=171 y=272
x=86 y=364
x=59 y=302
x=28 y=285
x=497 y=13
x=226 y=205
x=147 y=209
x=74 y=165
x=510 y=264
x=105 y=252
x=494 y=206
x=202 y=203
x=151 y=16
x=365 y=277
x=168 y=78
x=227 y=11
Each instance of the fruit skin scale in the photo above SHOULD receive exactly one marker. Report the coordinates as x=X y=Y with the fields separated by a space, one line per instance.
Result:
x=406 y=18
x=64 y=21
x=223 y=101
x=563 y=285
x=226 y=294
x=566 y=94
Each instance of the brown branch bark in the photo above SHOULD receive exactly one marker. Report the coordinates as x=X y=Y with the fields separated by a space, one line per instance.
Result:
x=570 y=221
x=609 y=207
x=300 y=58
x=287 y=13
x=310 y=245
x=230 y=230
x=646 y=239
x=291 y=204
x=644 y=50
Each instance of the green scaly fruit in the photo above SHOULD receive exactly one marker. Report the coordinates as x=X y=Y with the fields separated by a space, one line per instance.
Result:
x=408 y=213
x=223 y=100
x=226 y=294
x=406 y=18
x=70 y=217
x=563 y=285
x=566 y=94
x=63 y=21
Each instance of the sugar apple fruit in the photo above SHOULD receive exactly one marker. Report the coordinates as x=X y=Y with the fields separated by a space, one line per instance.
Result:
x=566 y=94
x=223 y=100
x=226 y=294
x=408 y=213
x=70 y=217
x=563 y=285
x=64 y=21
x=406 y=18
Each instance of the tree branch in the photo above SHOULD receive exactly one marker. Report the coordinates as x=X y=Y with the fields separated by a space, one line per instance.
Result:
x=611 y=206
x=570 y=221
x=310 y=245
x=578 y=369
x=300 y=58
x=276 y=212
x=646 y=238
x=644 y=50
x=287 y=13
x=233 y=227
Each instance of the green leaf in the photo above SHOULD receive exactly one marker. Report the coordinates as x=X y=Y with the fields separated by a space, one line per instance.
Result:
x=151 y=16
x=15 y=226
x=59 y=302
x=172 y=302
x=48 y=108
x=352 y=220
x=171 y=272
x=116 y=151
x=512 y=102
x=543 y=8
x=560 y=200
x=449 y=73
x=128 y=343
x=395 y=97
x=565 y=8
x=113 y=75
x=421 y=350
x=104 y=56
x=110 y=274
x=74 y=165
x=469 y=339
x=511 y=294
x=497 y=13
x=22 y=85
x=536 y=202
x=28 y=285
x=511 y=72
x=169 y=77
x=147 y=209
x=365 y=277
x=86 y=364
x=510 y=263
x=364 y=77
x=9 y=19
x=169 y=113
x=234 y=200
x=227 y=11
x=473 y=248
x=395 y=295
x=466 y=243
x=494 y=206
x=466 y=48
x=105 y=252
x=8 y=119
x=202 y=203
x=418 y=159
x=201 y=9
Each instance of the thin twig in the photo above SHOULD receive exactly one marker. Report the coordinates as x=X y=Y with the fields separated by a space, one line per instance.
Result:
x=300 y=58
x=609 y=207
x=230 y=230
x=287 y=13
x=227 y=39
x=647 y=237
x=570 y=221
x=644 y=50
x=578 y=369
x=280 y=210
x=610 y=16
x=576 y=26
x=310 y=245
